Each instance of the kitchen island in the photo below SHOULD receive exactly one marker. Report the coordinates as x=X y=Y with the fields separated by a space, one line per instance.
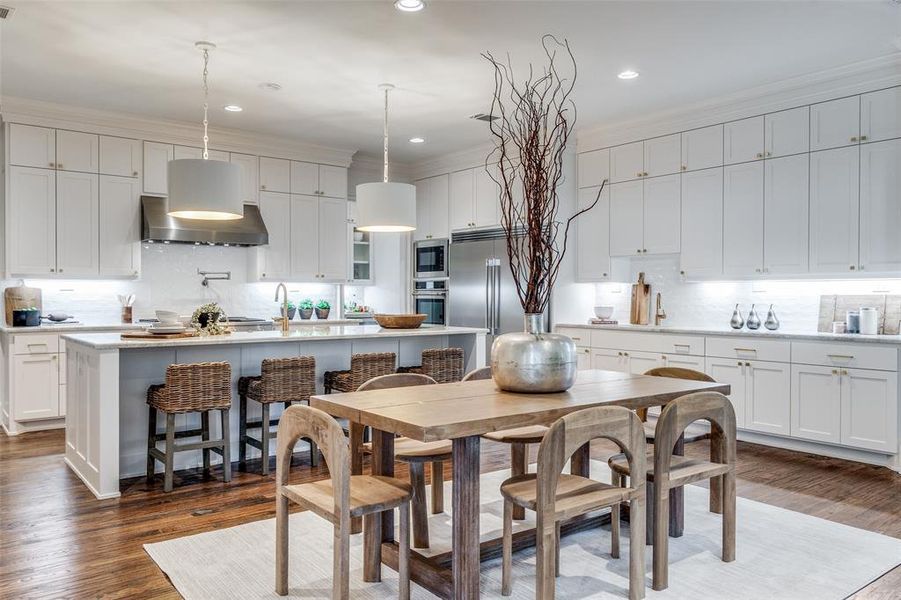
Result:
x=106 y=411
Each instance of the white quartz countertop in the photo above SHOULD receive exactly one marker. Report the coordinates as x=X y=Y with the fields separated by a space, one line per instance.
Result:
x=760 y=333
x=91 y=326
x=110 y=341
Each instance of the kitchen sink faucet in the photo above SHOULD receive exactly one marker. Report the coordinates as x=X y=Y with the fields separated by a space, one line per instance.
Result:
x=284 y=317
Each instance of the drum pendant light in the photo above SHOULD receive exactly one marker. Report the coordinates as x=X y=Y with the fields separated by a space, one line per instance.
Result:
x=385 y=206
x=203 y=188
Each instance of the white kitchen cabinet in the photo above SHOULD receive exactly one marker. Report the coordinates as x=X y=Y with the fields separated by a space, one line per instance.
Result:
x=486 y=207
x=32 y=221
x=787 y=132
x=77 y=151
x=431 y=208
x=786 y=215
x=642 y=362
x=593 y=236
x=182 y=152
x=77 y=223
x=250 y=176
x=835 y=123
x=305 y=237
x=702 y=148
x=702 y=223
x=880 y=115
x=120 y=226
x=743 y=219
x=627 y=162
x=661 y=213
x=680 y=361
x=275 y=174
x=120 y=156
x=462 y=196
x=274 y=259
x=333 y=181
x=36 y=386
x=834 y=210
x=743 y=140
x=304 y=178
x=422 y=210
x=156 y=168
x=610 y=360
x=662 y=155
x=768 y=397
x=583 y=359
x=31 y=146
x=870 y=410
x=816 y=403
x=626 y=218
x=880 y=207
x=332 y=240
x=594 y=167
x=731 y=372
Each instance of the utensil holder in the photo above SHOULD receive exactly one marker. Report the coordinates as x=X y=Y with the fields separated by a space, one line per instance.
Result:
x=127 y=314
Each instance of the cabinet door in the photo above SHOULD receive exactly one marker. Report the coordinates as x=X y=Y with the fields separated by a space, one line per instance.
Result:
x=217 y=155
x=275 y=258
x=36 y=386
x=609 y=360
x=743 y=220
x=662 y=210
x=593 y=236
x=437 y=206
x=333 y=241
x=880 y=206
x=786 y=224
x=583 y=356
x=663 y=155
x=627 y=162
x=120 y=156
x=680 y=361
x=275 y=174
x=487 y=197
x=120 y=226
x=743 y=140
x=870 y=410
x=835 y=123
x=32 y=146
x=834 y=210
x=76 y=151
x=702 y=148
x=423 y=222
x=32 y=221
x=156 y=168
x=77 y=223
x=769 y=397
x=880 y=115
x=304 y=178
x=731 y=372
x=787 y=132
x=462 y=190
x=642 y=362
x=594 y=167
x=305 y=233
x=702 y=223
x=250 y=176
x=332 y=181
x=181 y=152
x=816 y=403
x=626 y=218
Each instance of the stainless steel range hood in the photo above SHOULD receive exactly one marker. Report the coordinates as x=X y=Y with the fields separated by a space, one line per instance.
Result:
x=157 y=226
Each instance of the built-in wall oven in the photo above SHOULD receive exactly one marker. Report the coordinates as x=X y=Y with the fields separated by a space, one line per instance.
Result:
x=430 y=298
x=430 y=259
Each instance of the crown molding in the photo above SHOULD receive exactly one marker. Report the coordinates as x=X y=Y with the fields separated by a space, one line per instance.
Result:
x=455 y=161
x=847 y=80
x=372 y=163
x=48 y=114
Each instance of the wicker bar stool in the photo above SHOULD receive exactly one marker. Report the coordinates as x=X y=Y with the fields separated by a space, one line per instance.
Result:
x=284 y=380
x=363 y=367
x=444 y=365
x=196 y=387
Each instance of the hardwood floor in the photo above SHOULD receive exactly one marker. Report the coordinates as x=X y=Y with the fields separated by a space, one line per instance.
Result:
x=57 y=541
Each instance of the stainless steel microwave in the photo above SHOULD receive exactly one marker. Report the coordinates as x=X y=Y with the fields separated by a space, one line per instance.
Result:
x=430 y=259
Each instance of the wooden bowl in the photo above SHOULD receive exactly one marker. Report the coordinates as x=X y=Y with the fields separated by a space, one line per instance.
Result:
x=407 y=321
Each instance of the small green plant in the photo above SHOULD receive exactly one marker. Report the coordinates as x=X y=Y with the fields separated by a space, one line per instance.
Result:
x=306 y=304
x=323 y=305
x=291 y=305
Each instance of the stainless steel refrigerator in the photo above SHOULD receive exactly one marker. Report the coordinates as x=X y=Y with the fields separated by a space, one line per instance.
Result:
x=481 y=290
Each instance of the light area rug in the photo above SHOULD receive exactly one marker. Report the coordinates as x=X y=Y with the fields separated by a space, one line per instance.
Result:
x=780 y=554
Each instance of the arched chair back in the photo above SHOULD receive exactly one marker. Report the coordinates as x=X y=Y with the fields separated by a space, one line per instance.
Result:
x=396 y=380
x=682 y=412
x=679 y=373
x=483 y=373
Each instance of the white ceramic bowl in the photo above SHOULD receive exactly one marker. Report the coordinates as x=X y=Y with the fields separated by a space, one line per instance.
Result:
x=603 y=312
x=167 y=317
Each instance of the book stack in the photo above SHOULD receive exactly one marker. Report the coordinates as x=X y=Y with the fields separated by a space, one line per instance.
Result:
x=603 y=322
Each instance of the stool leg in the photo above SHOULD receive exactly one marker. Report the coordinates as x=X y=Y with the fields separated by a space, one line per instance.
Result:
x=151 y=443
x=437 y=487
x=205 y=436
x=226 y=447
x=264 y=439
x=170 y=452
x=242 y=433
x=420 y=513
x=519 y=464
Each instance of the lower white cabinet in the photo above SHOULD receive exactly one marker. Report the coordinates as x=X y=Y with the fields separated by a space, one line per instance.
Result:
x=583 y=357
x=731 y=372
x=610 y=360
x=36 y=386
x=870 y=410
x=816 y=403
x=641 y=362
x=768 y=396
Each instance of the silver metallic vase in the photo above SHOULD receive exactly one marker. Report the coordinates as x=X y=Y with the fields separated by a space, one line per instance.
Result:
x=534 y=361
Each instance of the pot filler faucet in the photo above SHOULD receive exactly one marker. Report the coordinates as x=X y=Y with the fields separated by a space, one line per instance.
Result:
x=284 y=317
x=659 y=313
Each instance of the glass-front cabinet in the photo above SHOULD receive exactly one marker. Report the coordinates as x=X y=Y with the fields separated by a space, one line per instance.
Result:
x=360 y=255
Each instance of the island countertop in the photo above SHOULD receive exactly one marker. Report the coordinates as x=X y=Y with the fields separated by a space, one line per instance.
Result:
x=114 y=341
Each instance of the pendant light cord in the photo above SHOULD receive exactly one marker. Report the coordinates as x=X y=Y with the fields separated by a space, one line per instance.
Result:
x=206 y=105
x=386 y=137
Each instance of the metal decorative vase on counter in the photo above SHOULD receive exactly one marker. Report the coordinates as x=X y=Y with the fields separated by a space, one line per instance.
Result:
x=534 y=361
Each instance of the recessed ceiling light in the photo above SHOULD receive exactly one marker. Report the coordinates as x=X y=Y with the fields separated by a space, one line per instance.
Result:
x=409 y=5
x=271 y=85
x=232 y=108
x=417 y=140
x=628 y=74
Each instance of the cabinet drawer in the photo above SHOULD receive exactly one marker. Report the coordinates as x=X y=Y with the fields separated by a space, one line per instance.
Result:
x=580 y=336
x=749 y=348
x=664 y=343
x=36 y=344
x=861 y=356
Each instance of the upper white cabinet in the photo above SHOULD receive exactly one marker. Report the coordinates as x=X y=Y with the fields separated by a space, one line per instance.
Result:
x=594 y=167
x=120 y=156
x=787 y=132
x=661 y=212
x=120 y=226
x=305 y=237
x=432 y=208
x=77 y=223
x=880 y=207
x=275 y=175
x=627 y=162
x=31 y=209
x=593 y=236
x=486 y=203
x=626 y=219
x=785 y=214
x=474 y=199
x=743 y=220
x=332 y=240
x=274 y=259
x=835 y=123
x=318 y=180
x=834 y=210
x=880 y=115
x=702 y=223
x=250 y=176
x=333 y=181
x=743 y=140
x=662 y=155
x=702 y=148
x=32 y=146
x=182 y=152
x=76 y=151
x=156 y=168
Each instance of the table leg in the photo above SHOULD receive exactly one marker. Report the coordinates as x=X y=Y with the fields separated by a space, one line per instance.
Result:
x=465 y=561
x=580 y=461
x=677 y=498
x=379 y=527
x=356 y=464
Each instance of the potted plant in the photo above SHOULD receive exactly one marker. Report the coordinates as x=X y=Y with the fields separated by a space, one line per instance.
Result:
x=322 y=309
x=291 y=310
x=208 y=319
x=306 y=308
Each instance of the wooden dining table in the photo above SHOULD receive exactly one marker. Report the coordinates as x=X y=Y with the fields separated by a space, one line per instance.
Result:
x=463 y=412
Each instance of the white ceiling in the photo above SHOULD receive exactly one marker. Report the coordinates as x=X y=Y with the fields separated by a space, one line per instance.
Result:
x=138 y=57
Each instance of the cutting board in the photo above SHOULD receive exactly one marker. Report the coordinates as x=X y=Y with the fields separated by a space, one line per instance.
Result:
x=146 y=335
x=641 y=302
x=21 y=297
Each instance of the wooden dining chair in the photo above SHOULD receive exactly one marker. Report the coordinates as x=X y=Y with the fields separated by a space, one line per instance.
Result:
x=337 y=500
x=556 y=497
x=478 y=374
x=670 y=471
x=696 y=431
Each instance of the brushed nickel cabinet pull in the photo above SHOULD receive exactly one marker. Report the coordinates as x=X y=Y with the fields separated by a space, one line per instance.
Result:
x=841 y=356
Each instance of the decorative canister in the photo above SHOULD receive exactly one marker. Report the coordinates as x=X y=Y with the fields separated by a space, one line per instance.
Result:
x=869 y=320
x=852 y=320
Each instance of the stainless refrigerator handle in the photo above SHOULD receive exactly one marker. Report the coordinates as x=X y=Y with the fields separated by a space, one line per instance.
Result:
x=488 y=312
x=497 y=296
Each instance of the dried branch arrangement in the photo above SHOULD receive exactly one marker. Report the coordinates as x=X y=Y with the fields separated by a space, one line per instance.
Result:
x=534 y=119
